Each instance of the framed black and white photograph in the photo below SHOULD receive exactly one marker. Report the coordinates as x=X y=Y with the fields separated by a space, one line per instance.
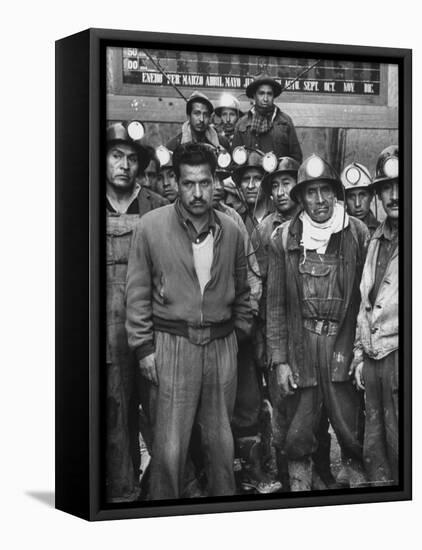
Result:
x=233 y=314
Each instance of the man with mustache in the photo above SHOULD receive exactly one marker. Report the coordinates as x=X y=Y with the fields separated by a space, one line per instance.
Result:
x=315 y=264
x=187 y=306
x=377 y=339
x=197 y=128
x=228 y=112
x=126 y=202
x=265 y=126
x=357 y=183
x=249 y=399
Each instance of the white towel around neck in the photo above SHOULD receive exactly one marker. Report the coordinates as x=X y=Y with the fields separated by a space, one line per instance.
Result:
x=315 y=236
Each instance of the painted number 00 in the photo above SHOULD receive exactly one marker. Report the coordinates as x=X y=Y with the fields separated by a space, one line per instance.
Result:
x=132 y=64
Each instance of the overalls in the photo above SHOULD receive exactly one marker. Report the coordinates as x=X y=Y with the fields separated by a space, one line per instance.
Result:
x=122 y=447
x=321 y=277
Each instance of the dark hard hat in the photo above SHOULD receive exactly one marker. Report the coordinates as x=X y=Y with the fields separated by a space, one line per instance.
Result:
x=222 y=173
x=285 y=165
x=118 y=133
x=199 y=97
x=263 y=78
x=355 y=176
x=315 y=168
x=254 y=160
x=387 y=168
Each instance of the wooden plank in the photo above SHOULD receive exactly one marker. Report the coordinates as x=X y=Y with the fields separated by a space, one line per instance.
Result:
x=153 y=109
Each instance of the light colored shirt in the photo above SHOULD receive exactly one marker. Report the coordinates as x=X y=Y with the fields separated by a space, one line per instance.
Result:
x=203 y=253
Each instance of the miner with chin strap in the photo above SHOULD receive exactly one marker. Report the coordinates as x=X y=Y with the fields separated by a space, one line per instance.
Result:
x=376 y=356
x=357 y=183
x=126 y=201
x=314 y=271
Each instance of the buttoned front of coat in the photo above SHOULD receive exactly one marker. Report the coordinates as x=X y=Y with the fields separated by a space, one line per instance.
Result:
x=377 y=332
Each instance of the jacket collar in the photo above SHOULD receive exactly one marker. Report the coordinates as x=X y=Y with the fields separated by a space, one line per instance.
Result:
x=295 y=232
x=185 y=220
x=371 y=221
x=383 y=231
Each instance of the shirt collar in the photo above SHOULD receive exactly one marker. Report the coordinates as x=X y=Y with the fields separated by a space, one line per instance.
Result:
x=123 y=208
x=387 y=231
x=187 y=218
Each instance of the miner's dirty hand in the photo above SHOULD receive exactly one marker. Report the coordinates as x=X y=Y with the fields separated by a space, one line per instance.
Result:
x=285 y=380
x=355 y=362
x=148 y=368
x=359 y=376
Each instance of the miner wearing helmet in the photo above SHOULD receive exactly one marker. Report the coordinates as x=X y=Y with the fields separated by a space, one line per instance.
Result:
x=315 y=265
x=249 y=400
x=376 y=359
x=197 y=128
x=254 y=279
x=126 y=160
x=277 y=186
x=166 y=178
x=228 y=112
x=357 y=183
x=265 y=126
x=232 y=197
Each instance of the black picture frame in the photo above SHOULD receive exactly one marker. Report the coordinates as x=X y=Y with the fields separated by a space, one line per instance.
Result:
x=80 y=125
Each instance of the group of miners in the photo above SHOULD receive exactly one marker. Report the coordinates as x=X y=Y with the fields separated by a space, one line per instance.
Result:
x=252 y=309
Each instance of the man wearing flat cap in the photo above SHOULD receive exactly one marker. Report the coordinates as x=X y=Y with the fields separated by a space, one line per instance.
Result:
x=126 y=201
x=197 y=128
x=314 y=270
x=265 y=126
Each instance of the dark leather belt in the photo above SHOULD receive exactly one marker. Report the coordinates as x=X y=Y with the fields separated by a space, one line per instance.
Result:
x=197 y=333
x=321 y=326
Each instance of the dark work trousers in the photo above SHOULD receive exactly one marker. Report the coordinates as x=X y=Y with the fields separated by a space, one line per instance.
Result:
x=122 y=448
x=380 y=448
x=122 y=427
x=196 y=384
x=249 y=393
x=298 y=416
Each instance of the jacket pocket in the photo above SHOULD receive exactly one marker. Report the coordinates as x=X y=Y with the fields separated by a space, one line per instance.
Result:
x=315 y=278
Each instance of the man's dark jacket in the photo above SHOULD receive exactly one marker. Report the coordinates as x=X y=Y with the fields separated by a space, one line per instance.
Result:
x=285 y=339
x=281 y=139
x=162 y=283
x=146 y=201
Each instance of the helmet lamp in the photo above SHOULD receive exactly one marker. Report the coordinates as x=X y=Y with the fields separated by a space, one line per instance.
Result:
x=240 y=155
x=135 y=130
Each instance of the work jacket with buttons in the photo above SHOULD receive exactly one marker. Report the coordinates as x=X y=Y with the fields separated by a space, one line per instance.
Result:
x=377 y=332
x=285 y=332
